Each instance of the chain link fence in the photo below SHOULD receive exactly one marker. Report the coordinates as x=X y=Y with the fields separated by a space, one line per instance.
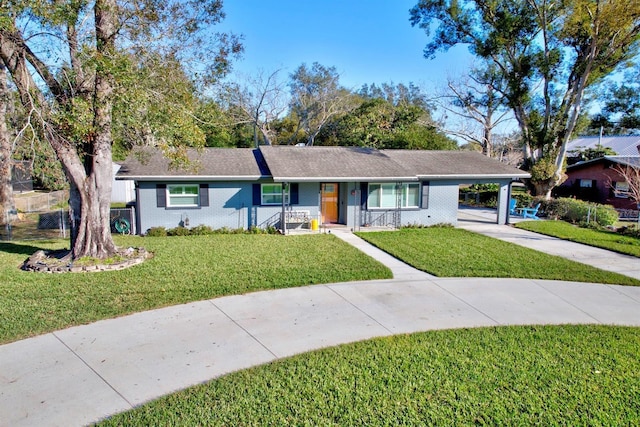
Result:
x=46 y=216
x=42 y=202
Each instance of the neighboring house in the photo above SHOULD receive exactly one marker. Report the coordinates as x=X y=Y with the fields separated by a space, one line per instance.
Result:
x=357 y=187
x=598 y=181
x=122 y=190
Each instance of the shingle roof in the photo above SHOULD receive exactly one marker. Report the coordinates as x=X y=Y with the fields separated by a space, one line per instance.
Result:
x=289 y=163
x=210 y=163
x=338 y=164
x=450 y=164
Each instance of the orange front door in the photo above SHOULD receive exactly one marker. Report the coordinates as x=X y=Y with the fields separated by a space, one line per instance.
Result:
x=329 y=203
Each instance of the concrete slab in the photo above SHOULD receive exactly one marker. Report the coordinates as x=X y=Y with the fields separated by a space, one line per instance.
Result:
x=515 y=302
x=608 y=304
x=405 y=307
x=632 y=292
x=292 y=321
x=42 y=383
x=153 y=353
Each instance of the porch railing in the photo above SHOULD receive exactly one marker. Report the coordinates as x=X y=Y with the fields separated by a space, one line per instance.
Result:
x=389 y=218
x=272 y=221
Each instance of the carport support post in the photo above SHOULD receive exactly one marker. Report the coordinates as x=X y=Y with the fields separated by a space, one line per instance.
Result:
x=503 y=203
x=283 y=222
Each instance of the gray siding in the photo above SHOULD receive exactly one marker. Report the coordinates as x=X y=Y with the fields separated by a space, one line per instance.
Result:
x=443 y=206
x=308 y=200
x=229 y=206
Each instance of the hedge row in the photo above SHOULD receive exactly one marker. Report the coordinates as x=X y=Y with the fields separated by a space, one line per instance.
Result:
x=205 y=230
x=580 y=212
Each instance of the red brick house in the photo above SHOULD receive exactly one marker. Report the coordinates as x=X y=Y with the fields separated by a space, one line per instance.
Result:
x=598 y=181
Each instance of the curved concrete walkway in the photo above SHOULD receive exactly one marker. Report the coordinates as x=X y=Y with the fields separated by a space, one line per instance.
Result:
x=85 y=373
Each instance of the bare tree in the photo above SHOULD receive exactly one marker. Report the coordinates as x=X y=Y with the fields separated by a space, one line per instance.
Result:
x=258 y=101
x=477 y=101
x=317 y=97
x=631 y=174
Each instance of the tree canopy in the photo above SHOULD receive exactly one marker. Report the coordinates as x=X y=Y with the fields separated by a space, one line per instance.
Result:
x=548 y=53
x=620 y=112
x=68 y=60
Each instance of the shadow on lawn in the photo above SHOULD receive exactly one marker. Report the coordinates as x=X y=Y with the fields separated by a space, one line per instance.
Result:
x=20 y=249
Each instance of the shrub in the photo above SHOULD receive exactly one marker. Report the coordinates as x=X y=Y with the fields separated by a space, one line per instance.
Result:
x=201 y=230
x=523 y=199
x=205 y=230
x=482 y=197
x=578 y=211
x=606 y=215
x=179 y=231
x=272 y=230
x=485 y=187
x=157 y=232
x=420 y=226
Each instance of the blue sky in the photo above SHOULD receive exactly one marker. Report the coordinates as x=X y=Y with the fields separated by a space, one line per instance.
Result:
x=368 y=41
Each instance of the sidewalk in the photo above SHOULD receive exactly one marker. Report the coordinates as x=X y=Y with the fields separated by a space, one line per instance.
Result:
x=82 y=374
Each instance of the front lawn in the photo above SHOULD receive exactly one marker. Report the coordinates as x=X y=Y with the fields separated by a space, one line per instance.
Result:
x=453 y=252
x=601 y=239
x=533 y=375
x=184 y=269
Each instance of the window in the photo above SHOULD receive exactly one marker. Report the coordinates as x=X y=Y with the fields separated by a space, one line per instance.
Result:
x=183 y=195
x=271 y=194
x=586 y=183
x=383 y=196
x=410 y=195
x=621 y=190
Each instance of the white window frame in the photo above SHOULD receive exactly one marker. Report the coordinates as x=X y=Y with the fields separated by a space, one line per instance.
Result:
x=276 y=194
x=184 y=195
x=405 y=186
x=621 y=189
x=405 y=195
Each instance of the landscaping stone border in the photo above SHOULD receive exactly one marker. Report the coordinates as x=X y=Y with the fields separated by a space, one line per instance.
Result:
x=54 y=262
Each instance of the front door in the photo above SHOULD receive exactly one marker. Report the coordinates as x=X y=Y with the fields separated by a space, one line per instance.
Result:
x=329 y=203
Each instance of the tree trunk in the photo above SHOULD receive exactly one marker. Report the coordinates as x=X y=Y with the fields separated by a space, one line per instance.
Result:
x=487 y=148
x=543 y=189
x=6 y=190
x=90 y=192
x=89 y=181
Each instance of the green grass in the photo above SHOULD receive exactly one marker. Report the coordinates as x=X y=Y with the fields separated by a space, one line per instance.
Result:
x=184 y=269
x=601 y=239
x=551 y=375
x=453 y=252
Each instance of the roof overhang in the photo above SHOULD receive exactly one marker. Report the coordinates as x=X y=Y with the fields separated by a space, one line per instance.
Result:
x=619 y=159
x=345 y=179
x=176 y=178
x=474 y=176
